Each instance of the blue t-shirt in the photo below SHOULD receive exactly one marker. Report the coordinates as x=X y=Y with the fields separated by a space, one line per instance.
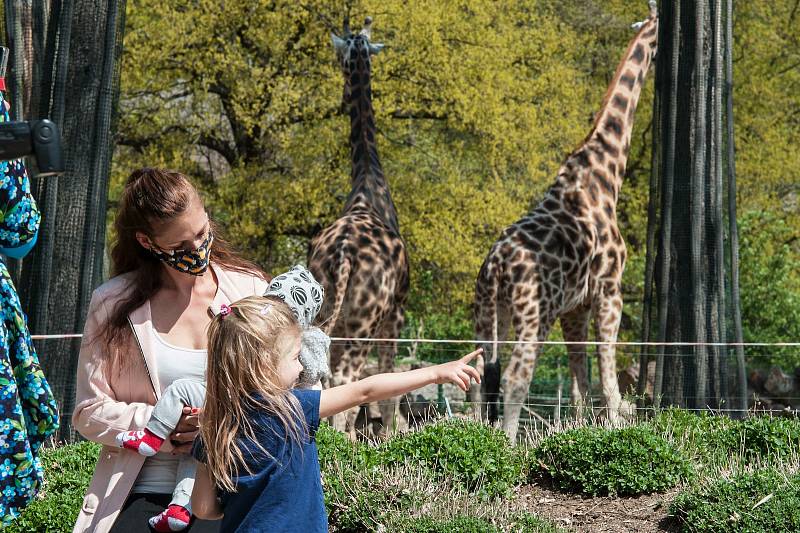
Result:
x=284 y=493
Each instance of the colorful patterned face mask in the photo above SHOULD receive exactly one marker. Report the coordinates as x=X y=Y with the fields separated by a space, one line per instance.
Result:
x=194 y=262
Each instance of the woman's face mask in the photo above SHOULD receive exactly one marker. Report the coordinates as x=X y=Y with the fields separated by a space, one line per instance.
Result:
x=194 y=262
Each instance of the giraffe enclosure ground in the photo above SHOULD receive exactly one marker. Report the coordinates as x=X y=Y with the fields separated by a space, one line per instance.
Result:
x=600 y=514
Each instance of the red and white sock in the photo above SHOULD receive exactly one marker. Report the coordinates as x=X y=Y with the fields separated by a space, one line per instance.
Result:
x=144 y=441
x=173 y=518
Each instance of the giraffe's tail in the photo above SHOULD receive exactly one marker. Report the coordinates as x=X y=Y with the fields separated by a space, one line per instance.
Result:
x=486 y=314
x=340 y=282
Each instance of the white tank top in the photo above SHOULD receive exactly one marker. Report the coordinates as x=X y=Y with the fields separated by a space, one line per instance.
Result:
x=159 y=472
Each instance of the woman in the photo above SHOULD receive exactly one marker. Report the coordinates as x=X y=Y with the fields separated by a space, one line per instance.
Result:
x=146 y=328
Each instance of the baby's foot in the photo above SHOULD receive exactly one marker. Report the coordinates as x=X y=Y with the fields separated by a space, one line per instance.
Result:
x=144 y=441
x=173 y=518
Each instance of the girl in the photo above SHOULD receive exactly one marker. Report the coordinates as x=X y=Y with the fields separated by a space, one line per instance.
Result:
x=257 y=451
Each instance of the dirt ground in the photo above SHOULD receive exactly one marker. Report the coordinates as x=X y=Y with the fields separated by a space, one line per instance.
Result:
x=643 y=514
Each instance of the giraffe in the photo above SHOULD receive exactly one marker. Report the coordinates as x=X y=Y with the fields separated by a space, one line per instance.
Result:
x=361 y=258
x=564 y=259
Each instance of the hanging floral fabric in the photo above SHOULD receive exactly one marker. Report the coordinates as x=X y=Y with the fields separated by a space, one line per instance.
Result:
x=28 y=410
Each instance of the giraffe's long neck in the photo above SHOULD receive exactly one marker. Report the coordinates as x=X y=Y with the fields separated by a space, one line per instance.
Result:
x=610 y=137
x=369 y=187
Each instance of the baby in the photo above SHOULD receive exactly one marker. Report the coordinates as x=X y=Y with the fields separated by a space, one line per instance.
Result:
x=304 y=296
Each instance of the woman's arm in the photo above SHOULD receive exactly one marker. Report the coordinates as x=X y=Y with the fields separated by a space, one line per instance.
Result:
x=383 y=386
x=205 y=504
x=98 y=416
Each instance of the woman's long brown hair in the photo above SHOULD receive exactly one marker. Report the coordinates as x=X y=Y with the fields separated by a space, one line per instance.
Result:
x=151 y=197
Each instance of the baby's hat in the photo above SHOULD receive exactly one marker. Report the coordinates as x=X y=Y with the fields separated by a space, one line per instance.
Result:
x=301 y=292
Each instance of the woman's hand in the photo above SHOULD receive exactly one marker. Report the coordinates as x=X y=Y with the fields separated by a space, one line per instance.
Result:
x=187 y=429
x=458 y=372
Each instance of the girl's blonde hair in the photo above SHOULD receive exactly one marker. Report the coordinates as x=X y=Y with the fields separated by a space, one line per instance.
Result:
x=245 y=349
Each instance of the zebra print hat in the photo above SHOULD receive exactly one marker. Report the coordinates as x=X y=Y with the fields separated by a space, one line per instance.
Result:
x=301 y=292
x=304 y=296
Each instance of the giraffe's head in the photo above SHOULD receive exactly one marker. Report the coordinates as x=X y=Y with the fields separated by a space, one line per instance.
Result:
x=353 y=52
x=648 y=29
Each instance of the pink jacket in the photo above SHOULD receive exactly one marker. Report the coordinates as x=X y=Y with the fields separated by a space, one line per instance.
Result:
x=108 y=402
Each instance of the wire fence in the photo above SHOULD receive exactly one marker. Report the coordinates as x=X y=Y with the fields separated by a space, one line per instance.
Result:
x=548 y=402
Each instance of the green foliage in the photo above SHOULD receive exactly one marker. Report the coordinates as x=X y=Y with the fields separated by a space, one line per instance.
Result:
x=474 y=115
x=706 y=437
x=473 y=454
x=465 y=524
x=629 y=461
x=741 y=504
x=701 y=436
x=767 y=437
x=68 y=470
x=335 y=446
x=426 y=319
x=344 y=464
x=770 y=285
x=519 y=523
x=530 y=523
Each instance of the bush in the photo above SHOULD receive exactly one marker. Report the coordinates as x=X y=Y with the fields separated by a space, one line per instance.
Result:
x=344 y=463
x=733 y=505
x=706 y=436
x=362 y=500
x=473 y=454
x=529 y=523
x=769 y=437
x=627 y=461
x=520 y=523
x=703 y=437
x=461 y=524
x=68 y=470
x=334 y=446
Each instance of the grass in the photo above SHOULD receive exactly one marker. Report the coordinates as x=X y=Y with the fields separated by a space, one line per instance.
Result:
x=368 y=492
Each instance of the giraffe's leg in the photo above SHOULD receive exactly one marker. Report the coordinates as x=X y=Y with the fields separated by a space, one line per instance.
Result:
x=350 y=363
x=390 y=329
x=607 y=316
x=519 y=373
x=575 y=326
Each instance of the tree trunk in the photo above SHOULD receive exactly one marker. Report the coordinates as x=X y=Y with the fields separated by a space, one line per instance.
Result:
x=696 y=288
x=77 y=46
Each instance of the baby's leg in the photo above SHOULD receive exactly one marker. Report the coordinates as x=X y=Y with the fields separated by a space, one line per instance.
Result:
x=165 y=416
x=178 y=514
x=168 y=410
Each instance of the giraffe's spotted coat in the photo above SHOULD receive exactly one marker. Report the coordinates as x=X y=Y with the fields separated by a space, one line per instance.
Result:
x=361 y=258
x=564 y=260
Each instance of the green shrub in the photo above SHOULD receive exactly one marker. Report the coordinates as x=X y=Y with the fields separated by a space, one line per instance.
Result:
x=704 y=436
x=769 y=437
x=732 y=505
x=344 y=463
x=363 y=499
x=460 y=524
x=335 y=446
x=629 y=461
x=473 y=454
x=519 y=523
x=68 y=470
x=530 y=523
